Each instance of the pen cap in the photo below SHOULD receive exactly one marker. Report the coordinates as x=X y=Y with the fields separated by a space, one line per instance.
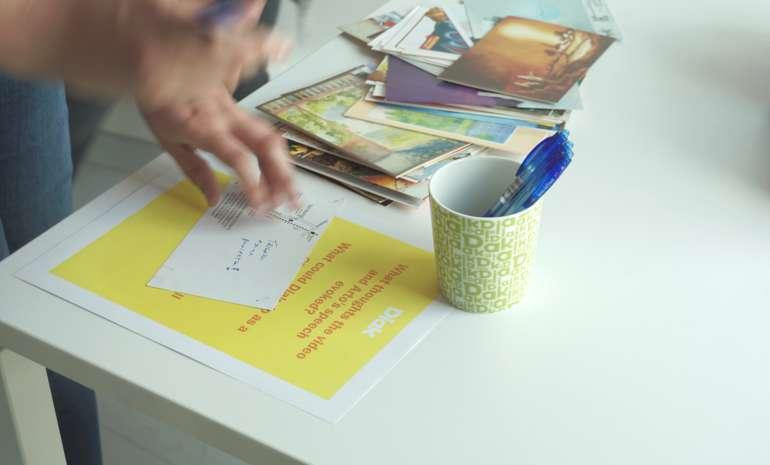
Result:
x=541 y=152
x=541 y=176
x=552 y=174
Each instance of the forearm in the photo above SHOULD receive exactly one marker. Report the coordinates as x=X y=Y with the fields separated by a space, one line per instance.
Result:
x=157 y=50
x=80 y=41
x=30 y=34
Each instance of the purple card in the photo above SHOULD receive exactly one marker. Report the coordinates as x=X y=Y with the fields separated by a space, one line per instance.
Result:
x=407 y=83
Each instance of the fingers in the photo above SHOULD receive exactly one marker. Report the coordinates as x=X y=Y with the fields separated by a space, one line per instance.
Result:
x=252 y=10
x=274 y=46
x=197 y=170
x=247 y=144
x=261 y=47
x=189 y=57
x=233 y=152
x=270 y=149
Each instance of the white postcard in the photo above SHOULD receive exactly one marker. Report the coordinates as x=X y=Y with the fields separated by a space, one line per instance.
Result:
x=430 y=33
x=235 y=255
x=386 y=36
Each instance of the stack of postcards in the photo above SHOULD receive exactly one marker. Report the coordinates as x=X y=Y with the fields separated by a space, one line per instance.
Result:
x=455 y=79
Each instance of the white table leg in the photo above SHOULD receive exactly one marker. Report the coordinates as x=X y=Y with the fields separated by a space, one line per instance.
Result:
x=29 y=433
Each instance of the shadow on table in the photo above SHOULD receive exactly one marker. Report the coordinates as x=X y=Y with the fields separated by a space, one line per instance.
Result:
x=737 y=60
x=731 y=69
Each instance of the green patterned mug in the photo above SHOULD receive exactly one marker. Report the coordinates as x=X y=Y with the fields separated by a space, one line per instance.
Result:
x=483 y=263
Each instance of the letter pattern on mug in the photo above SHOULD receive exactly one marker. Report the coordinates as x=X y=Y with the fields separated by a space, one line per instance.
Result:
x=483 y=265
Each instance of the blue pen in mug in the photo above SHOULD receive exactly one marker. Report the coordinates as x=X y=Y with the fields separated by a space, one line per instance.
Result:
x=484 y=254
x=483 y=263
x=531 y=162
x=537 y=173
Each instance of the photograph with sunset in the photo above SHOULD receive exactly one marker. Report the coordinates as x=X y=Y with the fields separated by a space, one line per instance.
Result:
x=528 y=59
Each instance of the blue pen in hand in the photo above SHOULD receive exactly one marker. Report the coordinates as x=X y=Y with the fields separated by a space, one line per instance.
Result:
x=220 y=12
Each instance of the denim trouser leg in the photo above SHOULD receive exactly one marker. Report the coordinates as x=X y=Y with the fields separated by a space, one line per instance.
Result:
x=85 y=117
x=36 y=193
x=78 y=420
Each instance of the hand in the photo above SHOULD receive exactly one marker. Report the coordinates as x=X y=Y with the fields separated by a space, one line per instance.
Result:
x=181 y=67
x=157 y=50
x=175 y=65
x=214 y=123
x=196 y=111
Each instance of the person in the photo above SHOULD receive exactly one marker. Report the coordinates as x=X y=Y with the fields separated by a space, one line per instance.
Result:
x=86 y=114
x=181 y=75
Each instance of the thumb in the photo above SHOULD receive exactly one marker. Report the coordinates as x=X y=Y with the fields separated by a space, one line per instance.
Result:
x=196 y=169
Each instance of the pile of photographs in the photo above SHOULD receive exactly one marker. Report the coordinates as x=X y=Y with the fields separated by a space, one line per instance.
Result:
x=455 y=79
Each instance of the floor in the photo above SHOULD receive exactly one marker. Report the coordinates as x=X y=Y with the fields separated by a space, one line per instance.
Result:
x=122 y=146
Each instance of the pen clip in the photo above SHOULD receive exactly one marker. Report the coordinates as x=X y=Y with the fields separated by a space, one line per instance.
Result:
x=548 y=179
x=542 y=150
x=552 y=161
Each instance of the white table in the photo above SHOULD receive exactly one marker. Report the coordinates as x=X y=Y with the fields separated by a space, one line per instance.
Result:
x=643 y=339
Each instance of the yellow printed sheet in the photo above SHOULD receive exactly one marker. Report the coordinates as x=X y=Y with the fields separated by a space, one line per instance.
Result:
x=346 y=307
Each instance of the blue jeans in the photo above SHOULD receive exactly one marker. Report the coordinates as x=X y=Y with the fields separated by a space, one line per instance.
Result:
x=35 y=194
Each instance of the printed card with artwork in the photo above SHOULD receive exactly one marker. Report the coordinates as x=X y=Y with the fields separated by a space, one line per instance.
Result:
x=369 y=28
x=587 y=15
x=319 y=112
x=528 y=59
x=431 y=33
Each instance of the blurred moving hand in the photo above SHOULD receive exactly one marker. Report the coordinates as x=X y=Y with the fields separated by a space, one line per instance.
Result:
x=214 y=123
x=210 y=120
x=178 y=69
